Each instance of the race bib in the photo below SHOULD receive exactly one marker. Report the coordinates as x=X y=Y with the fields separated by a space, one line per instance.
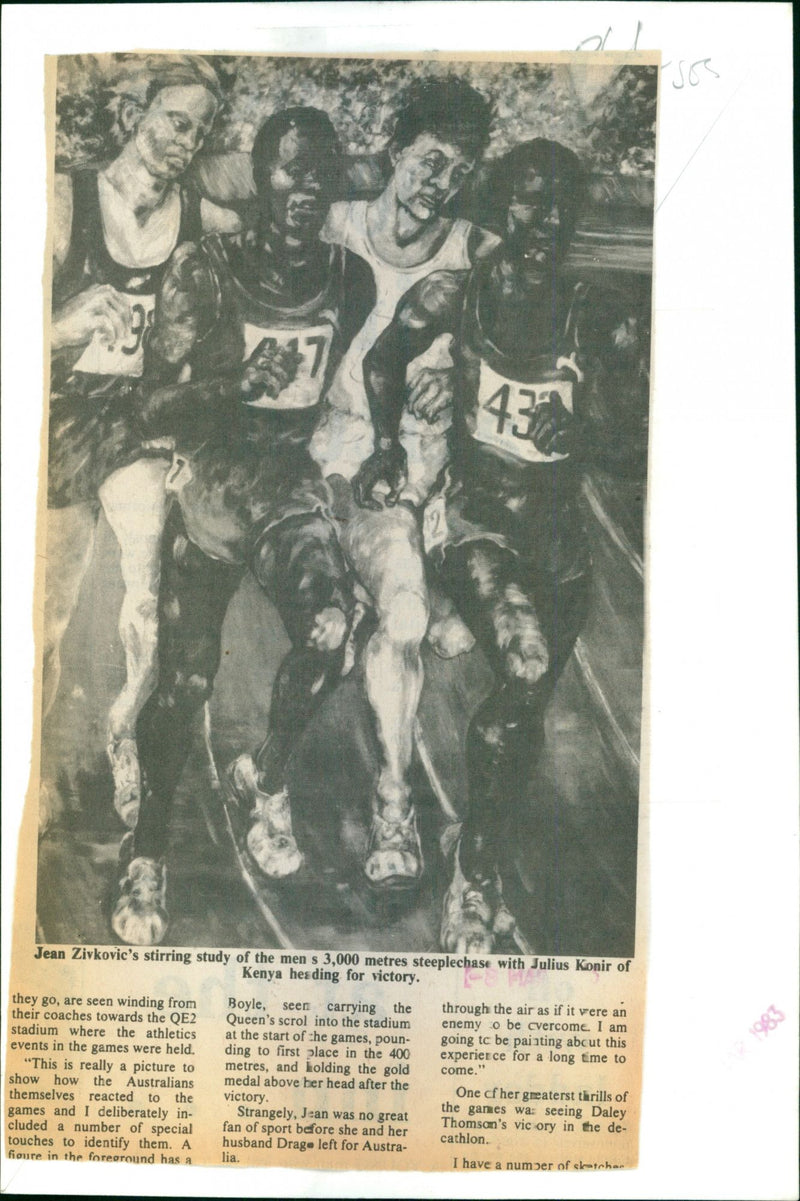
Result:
x=507 y=411
x=125 y=357
x=313 y=342
x=434 y=524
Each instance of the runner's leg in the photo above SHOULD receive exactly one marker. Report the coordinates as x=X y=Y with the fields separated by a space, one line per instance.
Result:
x=506 y=733
x=385 y=551
x=193 y=598
x=136 y=503
x=69 y=542
x=69 y=545
x=300 y=566
x=527 y=630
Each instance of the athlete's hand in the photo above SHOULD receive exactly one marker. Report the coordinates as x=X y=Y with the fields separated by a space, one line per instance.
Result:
x=431 y=393
x=553 y=427
x=100 y=309
x=389 y=465
x=270 y=369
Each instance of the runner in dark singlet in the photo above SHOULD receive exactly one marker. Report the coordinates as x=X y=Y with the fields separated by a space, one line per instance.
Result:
x=115 y=229
x=531 y=356
x=259 y=322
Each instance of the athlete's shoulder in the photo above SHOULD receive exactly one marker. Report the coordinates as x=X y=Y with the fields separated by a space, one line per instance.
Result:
x=338 y=221
x=481 y=243
x=614 y=322
x=217 y=219
x=190 y=278
x=434 y=299
x=186 y=306
x=62 y=217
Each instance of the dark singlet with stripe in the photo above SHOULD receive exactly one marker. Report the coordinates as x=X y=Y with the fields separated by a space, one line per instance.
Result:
x=509 y=484
x=90 y=434
x=251 y=308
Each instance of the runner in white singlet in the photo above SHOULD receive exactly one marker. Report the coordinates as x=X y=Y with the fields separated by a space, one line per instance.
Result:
x=404 y=234
x=345 y=437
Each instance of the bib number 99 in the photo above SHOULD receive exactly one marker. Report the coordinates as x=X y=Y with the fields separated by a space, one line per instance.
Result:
x=141 y=324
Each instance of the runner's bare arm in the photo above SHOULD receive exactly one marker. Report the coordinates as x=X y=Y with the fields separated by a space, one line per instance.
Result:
x=432 y=307
x=429 y=309
x=97 y=308
x=481 y=244
x=612 y=427
x=186 y=310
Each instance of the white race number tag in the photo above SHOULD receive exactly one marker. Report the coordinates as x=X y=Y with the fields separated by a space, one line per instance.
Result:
x=434 y=524
x=507 y=412
x=313 y=343
x=127 y=356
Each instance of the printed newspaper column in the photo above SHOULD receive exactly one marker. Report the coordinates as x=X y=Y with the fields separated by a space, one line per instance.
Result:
x=470 y=1064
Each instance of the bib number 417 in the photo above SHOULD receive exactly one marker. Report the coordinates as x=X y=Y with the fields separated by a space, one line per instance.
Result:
x=312 y=344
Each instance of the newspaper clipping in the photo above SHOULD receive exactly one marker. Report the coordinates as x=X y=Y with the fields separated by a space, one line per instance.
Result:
x=330 y=855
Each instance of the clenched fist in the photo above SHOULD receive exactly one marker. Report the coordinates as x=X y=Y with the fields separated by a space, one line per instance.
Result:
x=270 y=369
x=388 y=464
x=553 y=426
x=100 y=309
x=431 y=393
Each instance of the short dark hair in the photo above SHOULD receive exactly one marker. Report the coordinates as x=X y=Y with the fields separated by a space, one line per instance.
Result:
x=552 y=160
x=450 y=108
x=316 y=125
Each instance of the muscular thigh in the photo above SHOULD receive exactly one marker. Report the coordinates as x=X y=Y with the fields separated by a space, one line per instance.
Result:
x=385 y=550
x=488 y=586
x=562 y=607
x=300 y=565
x=194 y=596
x=135 y=501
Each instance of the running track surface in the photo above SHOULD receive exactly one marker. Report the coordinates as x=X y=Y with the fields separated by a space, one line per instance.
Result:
x=570 y=866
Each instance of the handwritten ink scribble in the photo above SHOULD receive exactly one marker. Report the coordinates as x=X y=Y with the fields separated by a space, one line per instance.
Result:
x=693 y=76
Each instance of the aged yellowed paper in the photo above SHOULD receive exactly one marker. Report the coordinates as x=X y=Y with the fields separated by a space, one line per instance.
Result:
x=331 y=852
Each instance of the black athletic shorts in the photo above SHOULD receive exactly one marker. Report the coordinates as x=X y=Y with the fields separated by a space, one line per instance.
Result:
x=91 y=435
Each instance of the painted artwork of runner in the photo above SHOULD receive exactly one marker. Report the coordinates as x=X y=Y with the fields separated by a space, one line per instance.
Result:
x=347 y=457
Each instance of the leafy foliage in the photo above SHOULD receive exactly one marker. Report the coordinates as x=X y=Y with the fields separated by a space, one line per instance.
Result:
x=623 y=128
x=614 y=132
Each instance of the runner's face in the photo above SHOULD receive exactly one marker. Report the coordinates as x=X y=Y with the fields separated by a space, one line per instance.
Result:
x=427 y=174
x=300 y=182
x=534 y=224
x=173 y=129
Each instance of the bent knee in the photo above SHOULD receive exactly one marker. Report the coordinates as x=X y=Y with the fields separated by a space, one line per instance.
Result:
x=404 y=617
x=519 y=638
x=527 y=661
x=186 y=692
x=138 y=622
x=139 y=608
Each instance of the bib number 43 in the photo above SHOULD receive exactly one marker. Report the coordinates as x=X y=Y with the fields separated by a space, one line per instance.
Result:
x=510 y=414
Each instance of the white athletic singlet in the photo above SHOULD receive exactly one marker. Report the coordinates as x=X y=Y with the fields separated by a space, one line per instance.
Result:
x=345 y=437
